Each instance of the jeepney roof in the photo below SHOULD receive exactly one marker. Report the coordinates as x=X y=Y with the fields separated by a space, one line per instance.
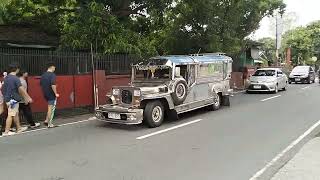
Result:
x=177 y=59
x=202 y=58
x=207 y=58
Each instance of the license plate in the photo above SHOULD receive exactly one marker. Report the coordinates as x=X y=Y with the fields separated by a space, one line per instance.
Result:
x=114 y=116
x=257 y=87
x=297 y=79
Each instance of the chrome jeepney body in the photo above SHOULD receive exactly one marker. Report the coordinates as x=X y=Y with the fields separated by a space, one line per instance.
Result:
x=169 y=84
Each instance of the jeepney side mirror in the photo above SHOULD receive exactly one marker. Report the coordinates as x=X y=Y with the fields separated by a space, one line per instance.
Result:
x=177 y=72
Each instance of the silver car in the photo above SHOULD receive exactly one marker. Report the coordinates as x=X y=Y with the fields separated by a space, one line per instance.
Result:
x=268 y=80
x=303 y=74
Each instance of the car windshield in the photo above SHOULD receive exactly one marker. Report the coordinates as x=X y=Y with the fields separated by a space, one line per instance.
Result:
x=300 y=69
x=264 y=73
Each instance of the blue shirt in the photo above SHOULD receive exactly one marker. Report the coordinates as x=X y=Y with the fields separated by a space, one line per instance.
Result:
x=47 y=80
x=10 y=88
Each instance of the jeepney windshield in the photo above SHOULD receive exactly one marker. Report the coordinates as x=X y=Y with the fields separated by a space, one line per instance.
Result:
x=160 y=72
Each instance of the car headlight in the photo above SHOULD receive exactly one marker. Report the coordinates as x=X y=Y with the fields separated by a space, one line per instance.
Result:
x=137 y=93
x=115 y=92
x=304 y=76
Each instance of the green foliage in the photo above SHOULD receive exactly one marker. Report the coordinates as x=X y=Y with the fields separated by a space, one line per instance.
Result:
x=269 y=49
x=145 y=27
x=304 y=42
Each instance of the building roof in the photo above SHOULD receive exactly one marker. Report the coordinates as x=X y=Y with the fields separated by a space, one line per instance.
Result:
x=20 y=36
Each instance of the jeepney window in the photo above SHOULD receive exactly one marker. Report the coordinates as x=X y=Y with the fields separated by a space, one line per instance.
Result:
x=147 y=74
x=212 y=69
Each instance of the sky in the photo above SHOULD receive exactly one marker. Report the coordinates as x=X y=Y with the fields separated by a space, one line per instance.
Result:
x=306 y=11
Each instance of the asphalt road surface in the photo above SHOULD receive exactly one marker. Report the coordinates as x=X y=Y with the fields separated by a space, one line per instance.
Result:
x=229 y=144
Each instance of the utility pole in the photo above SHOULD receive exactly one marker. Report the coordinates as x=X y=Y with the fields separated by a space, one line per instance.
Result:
x=278 y=36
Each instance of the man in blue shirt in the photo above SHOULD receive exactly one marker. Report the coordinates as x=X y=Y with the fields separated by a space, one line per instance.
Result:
x=13 y=93
x=49 y=90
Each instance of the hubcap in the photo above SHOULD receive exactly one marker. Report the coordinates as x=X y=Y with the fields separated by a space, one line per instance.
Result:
x=217 y=101
x=156 y=114
x=180 y=90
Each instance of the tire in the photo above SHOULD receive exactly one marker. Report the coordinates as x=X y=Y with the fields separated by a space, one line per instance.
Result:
x=153 y=115
x=290 y=82
x=276 y=90
x=180 y=92
x=285 y=87
x=309 y=80
x=226 y=101
x=217 y=103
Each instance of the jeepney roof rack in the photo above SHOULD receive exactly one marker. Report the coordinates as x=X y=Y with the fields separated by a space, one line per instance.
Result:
x=204 y=54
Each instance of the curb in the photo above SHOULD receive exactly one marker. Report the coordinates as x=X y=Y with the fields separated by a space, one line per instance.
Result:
x=287 y=154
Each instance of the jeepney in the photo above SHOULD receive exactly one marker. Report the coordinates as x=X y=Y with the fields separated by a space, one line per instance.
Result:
x=166 y=86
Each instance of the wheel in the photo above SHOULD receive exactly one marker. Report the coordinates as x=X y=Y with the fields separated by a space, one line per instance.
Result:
x=216 y=104
x=153 y=114
x=248 y=92
x=309 y=80
x=290 y=82
x=226 y=100
x=180 y=92
x=276 y=89
x=285 y=87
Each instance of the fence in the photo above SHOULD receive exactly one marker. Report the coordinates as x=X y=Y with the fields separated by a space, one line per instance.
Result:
x=74 y=75
x=68 y=63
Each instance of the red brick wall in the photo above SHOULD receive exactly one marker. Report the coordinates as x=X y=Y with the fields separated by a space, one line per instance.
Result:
x=236 y=81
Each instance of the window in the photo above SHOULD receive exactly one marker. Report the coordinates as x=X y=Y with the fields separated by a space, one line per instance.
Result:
x=264 y=73
x=213 y=69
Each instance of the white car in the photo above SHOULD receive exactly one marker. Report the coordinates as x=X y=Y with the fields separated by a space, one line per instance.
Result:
x=268 y=80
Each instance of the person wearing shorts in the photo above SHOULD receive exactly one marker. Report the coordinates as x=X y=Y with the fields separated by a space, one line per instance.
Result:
x=49 y=90
x=2 y=117
x=13 y=93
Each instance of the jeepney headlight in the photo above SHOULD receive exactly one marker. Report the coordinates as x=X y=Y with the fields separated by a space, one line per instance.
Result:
x=115 y=92
x=137 y=93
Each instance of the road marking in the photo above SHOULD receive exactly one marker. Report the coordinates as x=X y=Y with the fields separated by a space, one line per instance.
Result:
x=263 y=100
x=169 y=129
x=60 y=125
x=307 y=87
x=286 y=150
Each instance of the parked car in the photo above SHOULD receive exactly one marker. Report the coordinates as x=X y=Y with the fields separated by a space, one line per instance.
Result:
x=302 y=74
x=268 y=80
x=169 y=85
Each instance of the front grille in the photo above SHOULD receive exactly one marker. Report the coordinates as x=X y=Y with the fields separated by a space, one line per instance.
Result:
x=126 y=96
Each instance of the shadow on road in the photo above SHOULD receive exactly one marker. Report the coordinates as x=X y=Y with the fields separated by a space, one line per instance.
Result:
x=167 y=122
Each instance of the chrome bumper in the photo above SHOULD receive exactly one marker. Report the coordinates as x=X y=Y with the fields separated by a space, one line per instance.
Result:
x=128 y=115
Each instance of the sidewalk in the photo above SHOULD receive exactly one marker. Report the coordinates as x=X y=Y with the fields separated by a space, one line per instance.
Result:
x=63 y=121
x=305 y=165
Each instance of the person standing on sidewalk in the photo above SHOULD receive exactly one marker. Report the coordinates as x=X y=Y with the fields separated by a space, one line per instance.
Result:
x=13 y=93
x=2 y=106
x=24 y=107
x=49 y=90
x=2 y=117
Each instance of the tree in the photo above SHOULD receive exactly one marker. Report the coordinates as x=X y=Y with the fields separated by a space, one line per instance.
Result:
x=145 y=27
x=304 y=42
x=268 y=48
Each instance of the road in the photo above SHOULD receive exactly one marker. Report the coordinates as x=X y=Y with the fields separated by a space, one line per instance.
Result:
x=229 y=144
